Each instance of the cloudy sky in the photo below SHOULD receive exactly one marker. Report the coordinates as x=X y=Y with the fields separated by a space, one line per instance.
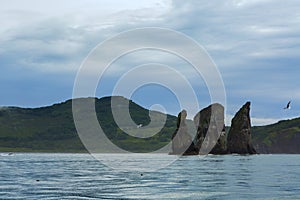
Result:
x=254 y=43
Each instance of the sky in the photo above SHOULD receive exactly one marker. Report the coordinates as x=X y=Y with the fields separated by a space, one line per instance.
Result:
x=255 y=45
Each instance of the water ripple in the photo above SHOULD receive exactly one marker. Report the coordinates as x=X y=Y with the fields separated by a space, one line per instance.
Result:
x=79 y=176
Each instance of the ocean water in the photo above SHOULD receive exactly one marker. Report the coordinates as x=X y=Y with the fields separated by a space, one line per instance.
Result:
x=80 y=176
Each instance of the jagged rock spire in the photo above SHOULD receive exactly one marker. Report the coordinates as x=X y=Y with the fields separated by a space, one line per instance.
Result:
x=239 y=136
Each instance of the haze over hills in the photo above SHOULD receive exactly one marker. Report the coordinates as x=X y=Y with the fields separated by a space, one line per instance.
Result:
x=52 y=129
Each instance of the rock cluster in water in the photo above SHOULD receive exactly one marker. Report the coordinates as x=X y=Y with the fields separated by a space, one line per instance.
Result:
x=211 y=136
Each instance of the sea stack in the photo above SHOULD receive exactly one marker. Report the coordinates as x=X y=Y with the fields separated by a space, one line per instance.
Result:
x=239 y=136
x=181 y=140
x=211 y=136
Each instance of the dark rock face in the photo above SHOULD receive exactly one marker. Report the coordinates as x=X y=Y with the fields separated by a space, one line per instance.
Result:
x=181 y=140
x=239 y=136
x=211 y=136
x=221 y=145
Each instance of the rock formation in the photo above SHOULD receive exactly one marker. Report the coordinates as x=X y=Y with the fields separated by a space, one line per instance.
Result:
x=211 y=136
x=239 y=136
x=181 y=140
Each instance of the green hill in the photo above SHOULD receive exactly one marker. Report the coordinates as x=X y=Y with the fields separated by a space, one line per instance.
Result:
x=281 y=137
x=51 y=129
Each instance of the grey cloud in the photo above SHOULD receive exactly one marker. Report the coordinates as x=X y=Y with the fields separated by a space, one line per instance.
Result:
x=250 y=41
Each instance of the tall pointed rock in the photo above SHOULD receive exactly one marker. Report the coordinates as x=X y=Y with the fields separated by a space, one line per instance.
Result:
x=239 y=136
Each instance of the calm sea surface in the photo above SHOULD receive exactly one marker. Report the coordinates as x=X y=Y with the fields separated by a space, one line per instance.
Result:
x=80 y=176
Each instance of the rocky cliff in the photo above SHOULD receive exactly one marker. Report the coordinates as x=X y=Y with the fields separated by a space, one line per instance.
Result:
x=282 y=137
x=239 y=135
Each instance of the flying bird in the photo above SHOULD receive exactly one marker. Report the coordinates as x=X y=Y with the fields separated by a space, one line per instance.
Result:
x=288 y=105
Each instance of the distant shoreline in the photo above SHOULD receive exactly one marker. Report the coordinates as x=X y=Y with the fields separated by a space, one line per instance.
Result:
x=51 y=129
